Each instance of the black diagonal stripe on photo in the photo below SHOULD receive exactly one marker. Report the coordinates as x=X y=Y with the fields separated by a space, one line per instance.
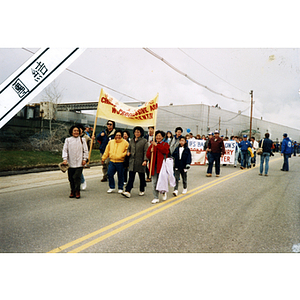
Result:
x=39 y=83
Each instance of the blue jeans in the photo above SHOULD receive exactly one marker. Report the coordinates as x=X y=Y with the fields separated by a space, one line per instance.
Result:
x=244 y=156
x=285 y=166
x=214 y=157
x=264 y=157
x=112 y=169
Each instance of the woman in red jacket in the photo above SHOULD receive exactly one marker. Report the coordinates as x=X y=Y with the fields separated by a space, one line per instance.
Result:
x=160 y=150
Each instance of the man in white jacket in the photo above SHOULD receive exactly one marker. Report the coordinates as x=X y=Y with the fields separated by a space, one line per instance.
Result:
x=75 y=153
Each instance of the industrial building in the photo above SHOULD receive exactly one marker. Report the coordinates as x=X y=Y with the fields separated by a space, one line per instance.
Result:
x=198 y=118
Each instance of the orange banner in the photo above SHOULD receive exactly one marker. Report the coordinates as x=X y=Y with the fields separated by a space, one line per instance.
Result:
x=111 y=109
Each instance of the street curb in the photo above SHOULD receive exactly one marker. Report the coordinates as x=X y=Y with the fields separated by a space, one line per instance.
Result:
x=37 y=170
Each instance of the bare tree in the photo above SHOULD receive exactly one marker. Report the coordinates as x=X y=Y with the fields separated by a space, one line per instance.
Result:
x=52 y=95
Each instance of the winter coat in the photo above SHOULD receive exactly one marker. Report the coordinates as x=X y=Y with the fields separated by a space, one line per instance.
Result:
x=174 y=143
x=158 y=155
x=244 y=145
x=267 y=145
x=103 y=140
x=186 y=158
x=75 y=151
x=116 y=150
x=137 y=150
x=286 y=146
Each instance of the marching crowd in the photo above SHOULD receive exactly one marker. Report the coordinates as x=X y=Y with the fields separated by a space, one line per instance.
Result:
x=158 y=157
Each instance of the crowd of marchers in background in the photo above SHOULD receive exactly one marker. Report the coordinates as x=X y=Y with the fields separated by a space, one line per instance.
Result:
x=159 y=157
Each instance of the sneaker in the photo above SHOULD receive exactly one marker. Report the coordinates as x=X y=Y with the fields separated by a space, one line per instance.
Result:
x=77 y=194
x=184 y=191
x=218 y=175
x=126 y=194
x=110 y=190
x=141 y=193
x=83 y=185
x=72 y=195
x=103 y=179
x=164 y=196
x=155 y=201
x=266 y=174
x=175 y=193
x=208 y=175
x=120 y=191
x=260 y=174
x=148 y=180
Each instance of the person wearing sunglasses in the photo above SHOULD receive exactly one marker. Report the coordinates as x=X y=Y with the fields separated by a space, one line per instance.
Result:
x=103 y=138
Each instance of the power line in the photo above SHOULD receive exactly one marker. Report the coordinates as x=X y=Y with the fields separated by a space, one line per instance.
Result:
x=238 y=114
x=188 y=77
x=211 y=71
x=89 y=79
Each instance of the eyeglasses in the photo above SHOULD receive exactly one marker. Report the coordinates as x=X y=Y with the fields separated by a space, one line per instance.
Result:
x=109 y=124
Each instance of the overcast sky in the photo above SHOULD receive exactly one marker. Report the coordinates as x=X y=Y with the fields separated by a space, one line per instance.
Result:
x=272 y=73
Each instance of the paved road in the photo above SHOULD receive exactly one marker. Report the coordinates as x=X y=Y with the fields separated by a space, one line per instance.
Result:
x=237 y=212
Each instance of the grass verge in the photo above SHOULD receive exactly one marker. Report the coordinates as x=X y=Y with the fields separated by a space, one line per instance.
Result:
x=19 y=159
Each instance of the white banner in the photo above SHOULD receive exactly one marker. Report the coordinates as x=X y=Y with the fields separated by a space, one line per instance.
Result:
x=197 y=151
x=32 y=77
x=228 y=158
x=199 y=155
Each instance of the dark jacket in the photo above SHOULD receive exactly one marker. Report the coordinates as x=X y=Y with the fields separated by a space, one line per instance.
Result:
x=103 y=140
x=137 y=150
x=216 y=145
x=186 y=157
x=267 y=145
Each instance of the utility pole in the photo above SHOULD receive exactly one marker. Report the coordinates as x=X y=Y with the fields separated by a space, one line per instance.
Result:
x=251 y=93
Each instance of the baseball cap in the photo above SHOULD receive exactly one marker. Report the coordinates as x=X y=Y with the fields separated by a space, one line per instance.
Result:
x=285 y=134
x=245 y=135
x=217 y=131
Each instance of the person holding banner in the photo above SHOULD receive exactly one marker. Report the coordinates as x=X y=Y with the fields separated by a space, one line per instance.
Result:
x=156 y=153
x=75 y=153
x=116 y=150
x=216 y=148
x=136 y=152
x=149 y=137
x=103 y=138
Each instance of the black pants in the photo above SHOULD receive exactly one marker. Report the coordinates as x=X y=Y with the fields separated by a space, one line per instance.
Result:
x=129 y=185
x=183 y=174
x=74 y=175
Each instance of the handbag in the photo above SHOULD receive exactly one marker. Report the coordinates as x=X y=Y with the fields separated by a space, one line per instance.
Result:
x=260 y=150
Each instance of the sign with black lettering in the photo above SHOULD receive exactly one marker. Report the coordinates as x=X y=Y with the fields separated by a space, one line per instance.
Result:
x=32 y=77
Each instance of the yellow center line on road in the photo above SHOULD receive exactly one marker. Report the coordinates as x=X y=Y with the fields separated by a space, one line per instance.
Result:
x=96 y=241
x=88 y=236
x=158 y=208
